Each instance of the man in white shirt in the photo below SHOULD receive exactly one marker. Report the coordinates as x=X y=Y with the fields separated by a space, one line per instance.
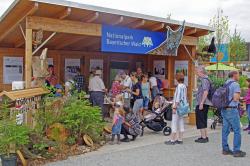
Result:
x=97 y=89
x=153 y=85
x=126 y=86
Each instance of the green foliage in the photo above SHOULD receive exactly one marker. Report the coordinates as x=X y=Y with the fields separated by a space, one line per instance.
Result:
x=4 y=109
x=217 y=82
x=220 y=23
x=82 y=118
x=40 y=146
x=52 y=89
x=243 y=81
x=203 y=42
x=71 y=140
x=12 y=134
x=237 y=47
x=47 y=115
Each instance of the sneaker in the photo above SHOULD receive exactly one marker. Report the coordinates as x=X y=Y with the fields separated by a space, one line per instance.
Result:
x=170 y=142
x=198 y=139
x=227 y=152
x=125 y=140
x=179 y=142
x=111 y=143
x=133 y=138
x=239 y=154
x=118 y=142
x=202 y=140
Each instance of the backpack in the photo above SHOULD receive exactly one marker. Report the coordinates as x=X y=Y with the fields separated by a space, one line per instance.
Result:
x=220 y=97
x=211 y=91
x=159 y=83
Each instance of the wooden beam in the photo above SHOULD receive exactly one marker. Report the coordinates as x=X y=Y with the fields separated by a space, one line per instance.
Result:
x=91 y=17
x=19 y=43
x=88 y=43
x=201 y=33
x=174 y=27
x=11 y=27
x=121 y=18
x=69 y=42
x=190 y=31
x=41 y=45
x=138 y=23
x=63 y=14
x=63 y=26
x=157 y=27
x=28 y=58
x=189 y=41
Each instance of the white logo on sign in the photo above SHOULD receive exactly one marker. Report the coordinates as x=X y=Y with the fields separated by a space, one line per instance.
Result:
x=147 y=42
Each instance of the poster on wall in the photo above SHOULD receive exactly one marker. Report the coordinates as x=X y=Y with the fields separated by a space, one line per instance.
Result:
x=71 y=66
x=95 y=64
x=50 y=61
x=12 y=69
x=160 y=69
x=182 y=67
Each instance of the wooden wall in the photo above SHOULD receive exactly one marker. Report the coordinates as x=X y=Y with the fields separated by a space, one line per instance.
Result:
x=147 y=60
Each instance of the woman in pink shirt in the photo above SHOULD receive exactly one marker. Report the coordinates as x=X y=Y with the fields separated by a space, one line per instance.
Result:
x=247 y=100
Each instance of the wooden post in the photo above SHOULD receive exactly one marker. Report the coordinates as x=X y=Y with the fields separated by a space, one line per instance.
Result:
x=28 y=58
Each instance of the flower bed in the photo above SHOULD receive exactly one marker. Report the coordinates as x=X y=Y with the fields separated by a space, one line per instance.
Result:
x=59 y=126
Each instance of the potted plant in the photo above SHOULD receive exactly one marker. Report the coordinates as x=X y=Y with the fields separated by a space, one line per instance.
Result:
x=12 y=138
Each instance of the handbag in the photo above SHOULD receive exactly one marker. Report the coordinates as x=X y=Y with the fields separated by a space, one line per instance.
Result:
x=183 y=108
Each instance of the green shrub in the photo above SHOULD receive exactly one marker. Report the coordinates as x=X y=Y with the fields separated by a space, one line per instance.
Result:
x=243 y=81
x=12 y=134
x=217 y=82
x=82 y=118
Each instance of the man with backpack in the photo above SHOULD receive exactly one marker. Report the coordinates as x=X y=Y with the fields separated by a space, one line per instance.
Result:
x=202 y=104
x=230 y=114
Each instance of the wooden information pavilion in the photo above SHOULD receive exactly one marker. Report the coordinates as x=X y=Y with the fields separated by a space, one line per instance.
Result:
x=73 y=30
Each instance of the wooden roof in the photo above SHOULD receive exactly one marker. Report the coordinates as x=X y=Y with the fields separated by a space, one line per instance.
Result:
x=14 y=18
x=27 y=93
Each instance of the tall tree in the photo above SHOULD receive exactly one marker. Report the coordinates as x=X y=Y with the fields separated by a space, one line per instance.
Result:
x=220 y=23
x=237 y=48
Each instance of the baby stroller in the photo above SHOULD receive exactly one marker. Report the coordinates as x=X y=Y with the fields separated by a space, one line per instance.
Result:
x=156 y=119
x=217 y=117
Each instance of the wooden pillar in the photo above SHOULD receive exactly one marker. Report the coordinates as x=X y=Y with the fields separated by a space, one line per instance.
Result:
x=28 y=58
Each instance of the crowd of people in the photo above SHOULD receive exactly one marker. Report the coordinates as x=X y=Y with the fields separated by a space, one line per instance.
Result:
x=131 y=95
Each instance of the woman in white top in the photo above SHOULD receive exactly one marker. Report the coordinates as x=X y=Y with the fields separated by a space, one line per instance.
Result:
x=177 y=123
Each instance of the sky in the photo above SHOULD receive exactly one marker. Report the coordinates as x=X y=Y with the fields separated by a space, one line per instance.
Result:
x=194 y=11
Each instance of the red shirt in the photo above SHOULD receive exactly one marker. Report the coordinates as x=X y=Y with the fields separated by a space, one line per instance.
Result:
x=116 y=88
x=52 y=80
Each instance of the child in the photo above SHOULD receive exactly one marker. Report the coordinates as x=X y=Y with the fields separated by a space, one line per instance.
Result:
x=116 y=87
x=247 y=100
x=59 y=90
x=118 y=120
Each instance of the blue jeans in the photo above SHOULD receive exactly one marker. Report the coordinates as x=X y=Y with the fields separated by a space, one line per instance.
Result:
x=231 y=119
x=98 y=100
x=138 y=105
x=155 y=92
x=145 y=102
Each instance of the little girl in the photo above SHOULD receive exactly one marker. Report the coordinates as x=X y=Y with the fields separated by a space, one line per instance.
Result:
x=247 y=100
x=118 y=120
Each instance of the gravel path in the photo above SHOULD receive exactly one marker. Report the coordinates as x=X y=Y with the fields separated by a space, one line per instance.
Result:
x=188 y=154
